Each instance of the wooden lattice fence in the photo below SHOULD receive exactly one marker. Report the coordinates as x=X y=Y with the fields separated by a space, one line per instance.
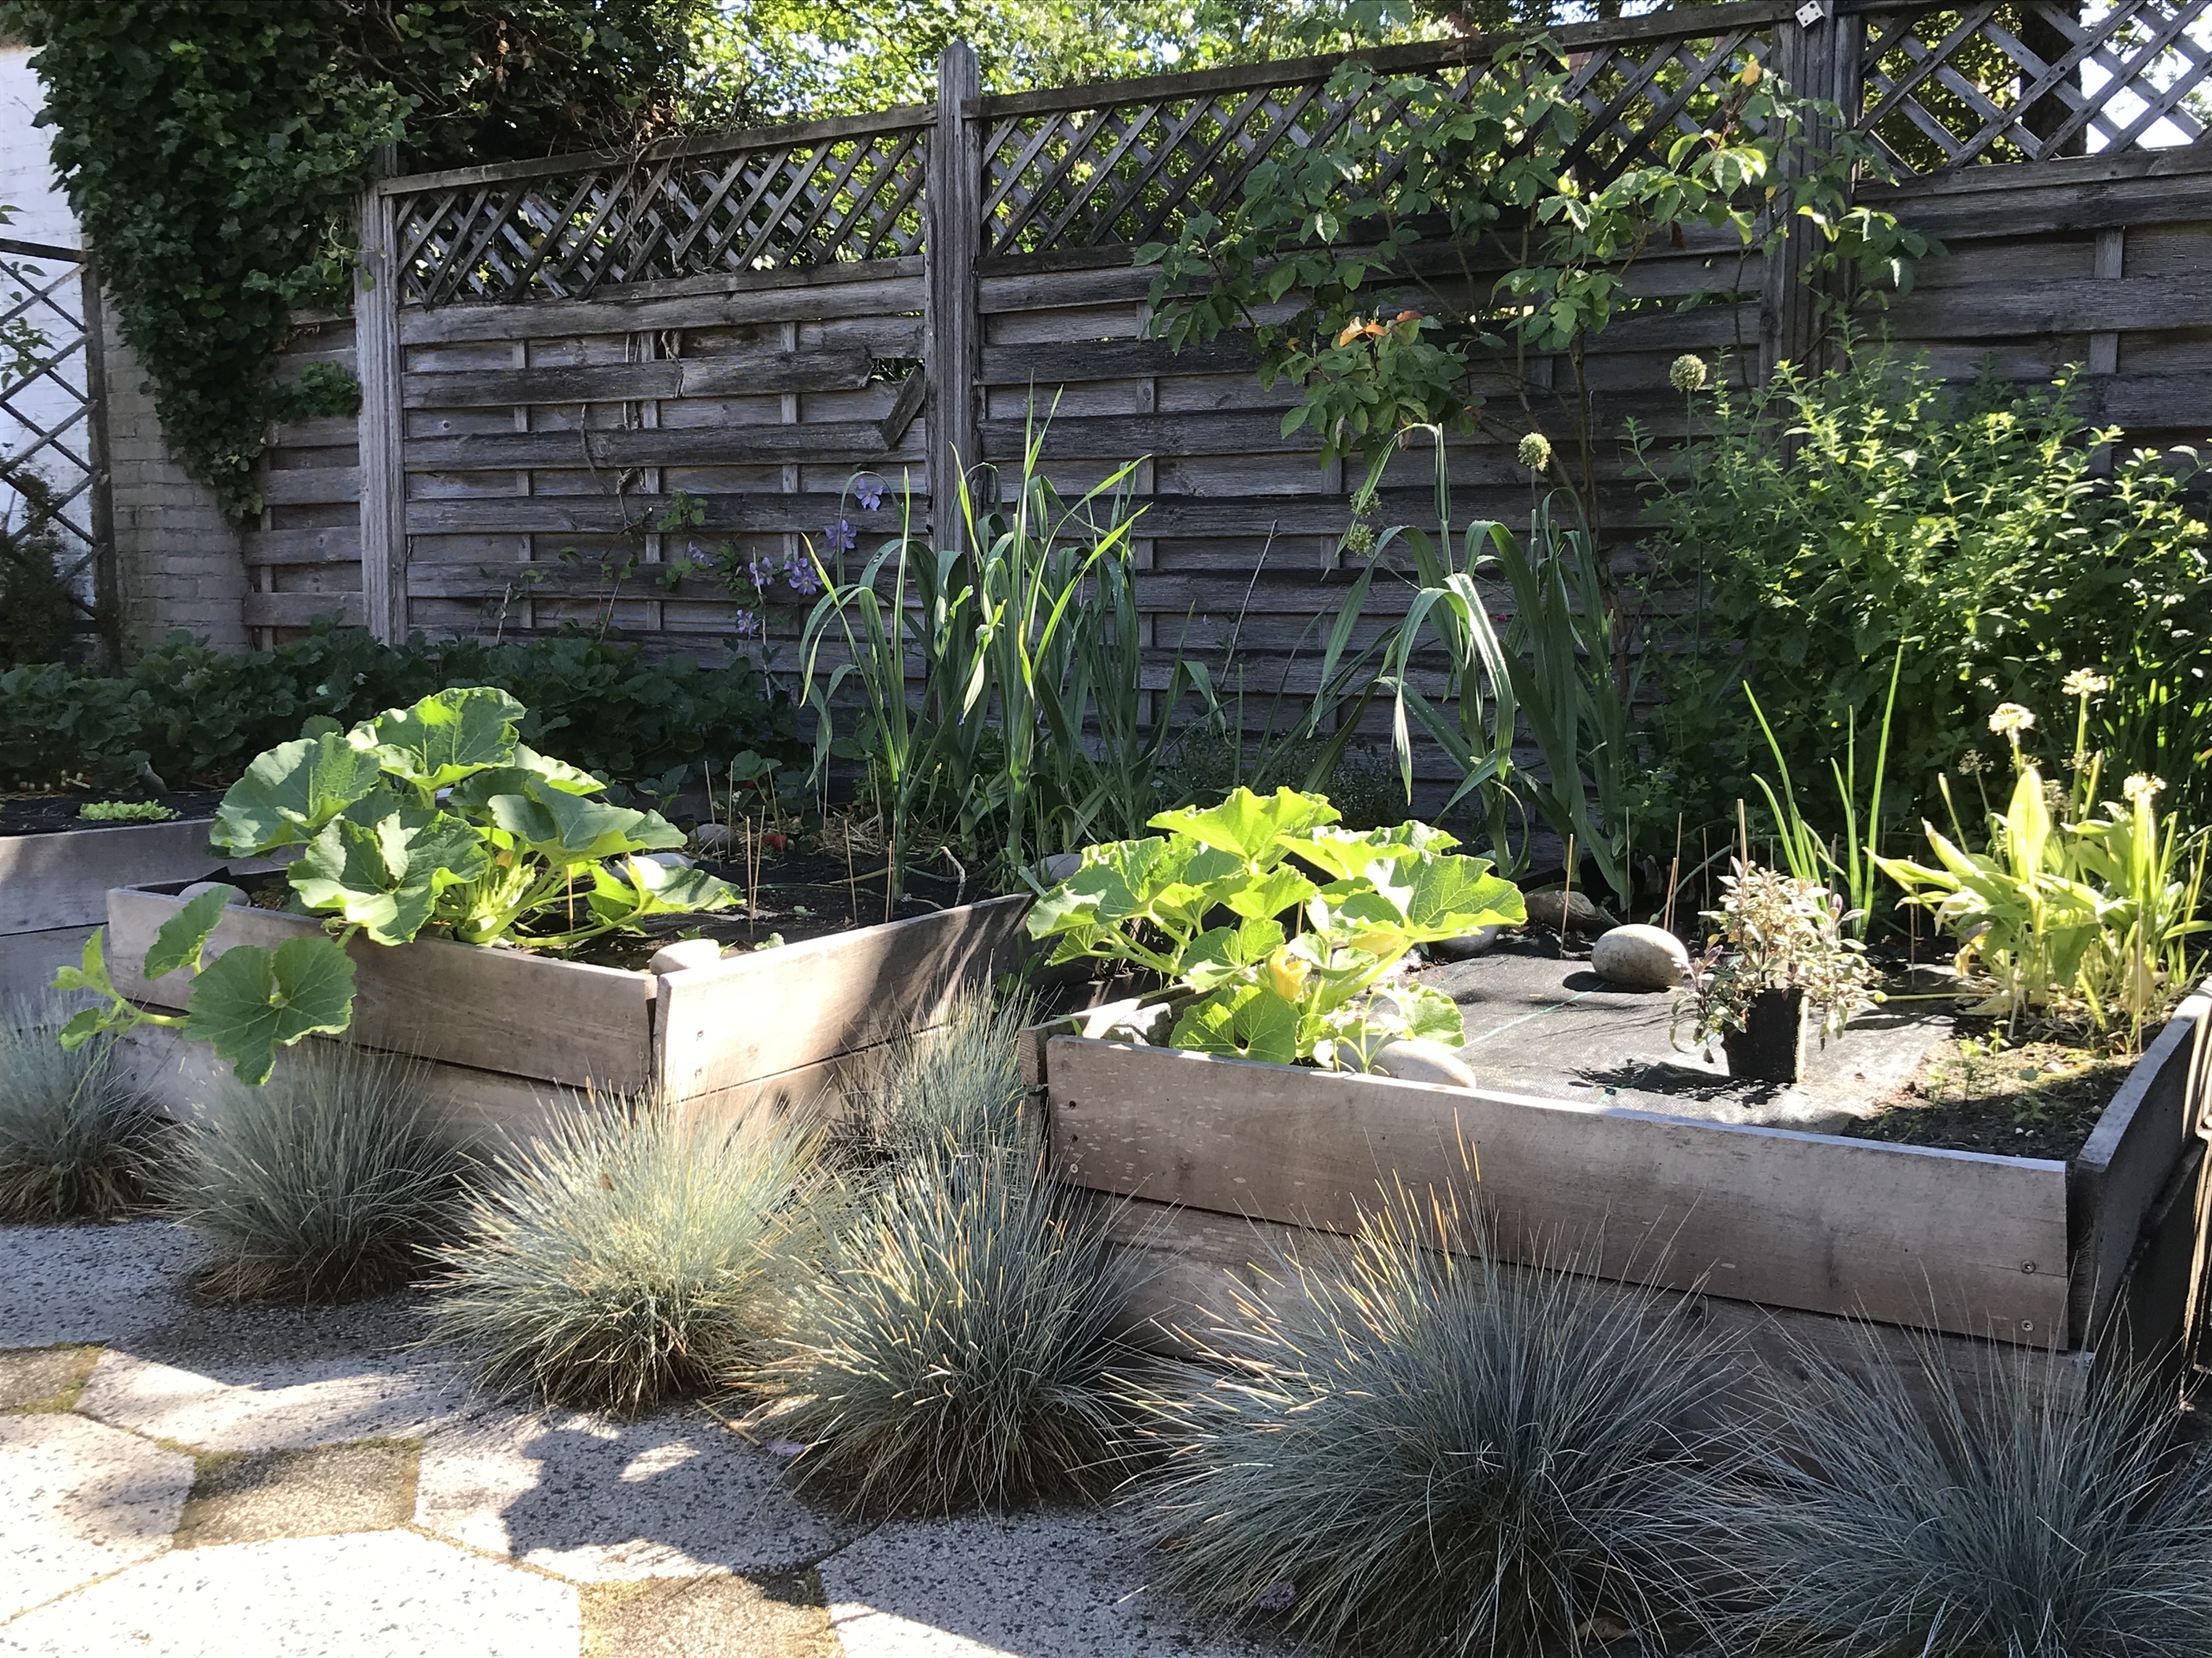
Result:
x=577 y=372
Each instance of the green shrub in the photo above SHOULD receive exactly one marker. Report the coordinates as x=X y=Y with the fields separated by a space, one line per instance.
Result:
x=960 y=1347
x=77 y=1140
x=630 y=1254
x=323 y=1184
x=1829 y=519
x=199 y=715
x=1999 y=1521
x=1437 y=1453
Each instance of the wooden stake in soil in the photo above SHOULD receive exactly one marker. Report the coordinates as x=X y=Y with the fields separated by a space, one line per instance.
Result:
x=852 y=881
x=1567 y=899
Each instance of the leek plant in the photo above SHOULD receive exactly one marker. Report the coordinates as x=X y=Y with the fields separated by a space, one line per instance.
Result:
x=996 y=686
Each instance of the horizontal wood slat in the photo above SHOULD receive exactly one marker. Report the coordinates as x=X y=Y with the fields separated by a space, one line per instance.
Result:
x=613 y=382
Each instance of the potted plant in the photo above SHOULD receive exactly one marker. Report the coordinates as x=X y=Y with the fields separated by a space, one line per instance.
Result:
x=1778 y=975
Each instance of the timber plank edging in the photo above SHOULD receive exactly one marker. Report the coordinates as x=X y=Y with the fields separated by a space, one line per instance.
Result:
x=62 y=880
x=1970 y=1243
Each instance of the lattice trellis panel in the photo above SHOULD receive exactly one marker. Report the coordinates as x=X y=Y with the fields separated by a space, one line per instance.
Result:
x=765 y=207
x=2028 y=79
x=47 y=474
x=1130 y=172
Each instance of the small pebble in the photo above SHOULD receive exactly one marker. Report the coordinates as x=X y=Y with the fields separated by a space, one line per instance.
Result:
x=711 y=838
x=667 y=860
x=236 y=901
x=1418 y=1059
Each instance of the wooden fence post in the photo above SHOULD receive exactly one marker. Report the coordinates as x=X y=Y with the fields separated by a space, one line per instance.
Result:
x=1817 y=55
x=956 y=231
x=376 y=364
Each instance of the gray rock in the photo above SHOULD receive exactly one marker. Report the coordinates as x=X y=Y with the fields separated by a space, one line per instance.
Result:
x=233 y=902
x=1467 y=947
x=684 y=954
x=666 y=859
x=1418 y=1059
x=711 y=840
x=1640 y=958
x=1061 y=864
x=1567 y=912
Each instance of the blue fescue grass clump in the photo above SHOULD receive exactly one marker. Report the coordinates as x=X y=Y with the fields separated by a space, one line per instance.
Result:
x=632 y=1253
x=77 y=1140
x=327 y=1182
x=1992 y=1515
x=966 y=1342
x=1413 y=1447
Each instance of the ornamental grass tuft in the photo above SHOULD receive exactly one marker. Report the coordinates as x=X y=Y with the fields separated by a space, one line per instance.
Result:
x=631 y=1253
x=965 y=1345
x=77 y=1140
x=1422 y=1450
x=1988 y=1518
x=323 y=1184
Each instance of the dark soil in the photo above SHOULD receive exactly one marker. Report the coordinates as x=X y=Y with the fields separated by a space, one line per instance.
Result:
x=54 y=814
x=1976 y=1092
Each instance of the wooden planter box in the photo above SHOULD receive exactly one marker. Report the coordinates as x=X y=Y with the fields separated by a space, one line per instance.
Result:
x=1765 y=1223
x=53 y=888
x=506 y=1033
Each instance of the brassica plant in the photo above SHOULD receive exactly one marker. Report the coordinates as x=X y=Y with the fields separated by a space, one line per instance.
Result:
x=433 y=821
x=1205 y=905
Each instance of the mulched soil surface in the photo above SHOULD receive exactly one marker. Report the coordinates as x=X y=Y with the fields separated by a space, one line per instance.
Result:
x=55 y=814
x=1975 y=1093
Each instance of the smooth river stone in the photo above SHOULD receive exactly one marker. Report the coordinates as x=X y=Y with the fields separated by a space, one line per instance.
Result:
x=1641 y=957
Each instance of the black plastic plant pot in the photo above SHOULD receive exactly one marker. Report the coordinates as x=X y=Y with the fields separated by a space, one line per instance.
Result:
x=1771 y=1048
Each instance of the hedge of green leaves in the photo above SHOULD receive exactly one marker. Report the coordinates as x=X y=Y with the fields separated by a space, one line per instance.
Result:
x=197 y=716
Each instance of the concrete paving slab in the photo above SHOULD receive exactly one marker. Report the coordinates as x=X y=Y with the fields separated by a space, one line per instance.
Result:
x=381 y=1595
x=312 y=1493
x=598 y=1499
x=780 y=1617
x=316 y=1401
x=44 y=1379
x=90 y=1283
x=1058 y=1585
x=78 y=1501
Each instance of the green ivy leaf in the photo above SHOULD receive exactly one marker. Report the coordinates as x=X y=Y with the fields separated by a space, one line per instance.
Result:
x=445 y=736
x=250 y=1001
x=291 y=792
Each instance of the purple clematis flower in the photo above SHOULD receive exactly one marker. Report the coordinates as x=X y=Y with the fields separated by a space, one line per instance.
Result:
x=746 y=623
x=800 y=574
x=840 y=537
x=869 y=492
x=762 y=571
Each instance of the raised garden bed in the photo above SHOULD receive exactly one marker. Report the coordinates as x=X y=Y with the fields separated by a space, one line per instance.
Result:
x=56 y=871
x=1766 y=1222
x=507 y=1031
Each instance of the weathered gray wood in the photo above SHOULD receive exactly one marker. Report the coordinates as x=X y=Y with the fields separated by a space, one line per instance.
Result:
x=382 y=483
x=310 y=486
x=741 y=375
x=340 y=545
x=2130 y=1155
x=28 y=961
x=494 y=1010
x=877 y=287
x=826 y=443
x=301 y=610
x=759 y=1015
x=62 y=880
x=1200 y=1270
x=956 y=234
x=1971 y=1244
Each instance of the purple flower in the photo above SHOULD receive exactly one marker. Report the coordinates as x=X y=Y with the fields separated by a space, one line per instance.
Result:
x=869 y=492
x=762 y=571
x=840 y=537
x=784 y=1448
x=800 y=574
x=746 y=623
x=1276 y=1597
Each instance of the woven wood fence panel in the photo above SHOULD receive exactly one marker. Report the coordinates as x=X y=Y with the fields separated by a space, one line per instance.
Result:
x=611 y=369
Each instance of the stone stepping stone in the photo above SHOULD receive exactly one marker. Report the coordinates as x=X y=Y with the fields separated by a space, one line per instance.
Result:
x=78 y=1501
x=379 y=1595
x=719 y=1617
x=90 y=1283
x=597 y=1499
x=280 y=1406
x=44 y=1379
x=1057 y=1585
x=313 y=1493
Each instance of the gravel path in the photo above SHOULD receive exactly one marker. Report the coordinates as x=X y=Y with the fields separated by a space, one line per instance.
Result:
x=179 y=1480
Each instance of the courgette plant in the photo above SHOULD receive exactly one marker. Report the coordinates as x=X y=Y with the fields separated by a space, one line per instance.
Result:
x=1205 y=905
x=429 y=821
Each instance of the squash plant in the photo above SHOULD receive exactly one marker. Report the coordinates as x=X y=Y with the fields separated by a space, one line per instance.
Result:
x=428 y=821
x=1283 y=923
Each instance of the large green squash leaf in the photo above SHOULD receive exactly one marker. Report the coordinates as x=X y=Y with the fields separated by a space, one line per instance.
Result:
x=568 y=828
x=444 y=736
x=386 y=877
x=185 y=935
x=1250 y=824
x=635 y=887
x=291 y=791
x=1247 y=1020
x=250 y=1001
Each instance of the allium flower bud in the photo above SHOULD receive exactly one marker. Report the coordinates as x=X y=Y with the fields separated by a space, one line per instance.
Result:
x=1535 y=452
x=1688 y=373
